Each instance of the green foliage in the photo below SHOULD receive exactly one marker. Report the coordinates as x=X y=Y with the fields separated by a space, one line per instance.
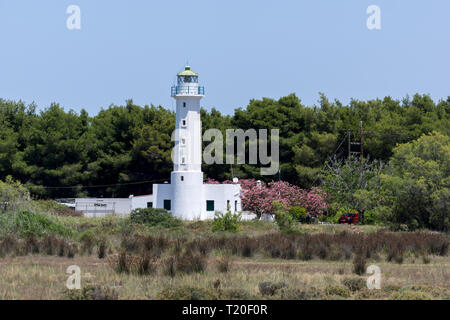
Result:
x=340 y=291
x=187 y=293
x=417 y=190
x=91 y=292
x=226 y=221
x=298 y=213
x=155 y=218
x=26 y=223
x=284 y=220
x=13 y=195
x=354 y=283
x=130 y=143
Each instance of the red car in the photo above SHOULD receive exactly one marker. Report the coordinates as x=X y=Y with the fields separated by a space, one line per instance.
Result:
x=349 y=217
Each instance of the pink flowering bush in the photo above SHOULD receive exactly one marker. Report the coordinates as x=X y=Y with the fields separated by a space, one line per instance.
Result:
x=259 y=197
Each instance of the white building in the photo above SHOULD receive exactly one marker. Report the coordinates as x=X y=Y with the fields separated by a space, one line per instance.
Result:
x=98 y=207
x=187 y=197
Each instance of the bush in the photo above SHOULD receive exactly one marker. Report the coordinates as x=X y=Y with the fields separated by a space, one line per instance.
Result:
x=27 y=224
x=226 y=222
x=283 y=219
x=270 y=288
x=13 y=195
x=155 y=218
x=298 y=213
x=223 y=263
x=354 y=284
x=359 y=264
x=190 y=262
x=91 y=292
x=187 y=293
x=337 y=291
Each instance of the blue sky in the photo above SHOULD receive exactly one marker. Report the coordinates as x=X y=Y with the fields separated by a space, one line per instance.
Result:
x=241 y=49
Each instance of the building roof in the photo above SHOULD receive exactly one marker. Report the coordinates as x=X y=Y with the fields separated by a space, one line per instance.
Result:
x=187 y=72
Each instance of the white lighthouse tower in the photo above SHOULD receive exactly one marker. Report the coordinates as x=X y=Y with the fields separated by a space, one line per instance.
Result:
x=187 y=197
x=187 y=177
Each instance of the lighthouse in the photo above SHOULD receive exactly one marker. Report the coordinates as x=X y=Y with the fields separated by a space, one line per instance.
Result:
x=187 y=177
x=187 y=196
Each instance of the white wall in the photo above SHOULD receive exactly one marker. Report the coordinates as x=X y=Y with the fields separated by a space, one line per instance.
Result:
x=99 y=207
x=141 y=201
x=161 y=192
x=221 y=193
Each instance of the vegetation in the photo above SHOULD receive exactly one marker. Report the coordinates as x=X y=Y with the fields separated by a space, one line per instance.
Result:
x=226 y=221
x=402 y=178
x=154 y=217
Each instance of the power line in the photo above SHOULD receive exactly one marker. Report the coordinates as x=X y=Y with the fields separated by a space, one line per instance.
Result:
x=100 y=185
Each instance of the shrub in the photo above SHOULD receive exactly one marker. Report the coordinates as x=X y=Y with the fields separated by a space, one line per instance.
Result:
x=101 y=252
x=87 y=240
x=190 y=262
x=187 y=293
x=223 y=263
x=27 y=223
x=155 y=218
x=337 y=291
x=169 y=267
x=13 y=195
x=270 y=288
x=283 y=219
x=354 y=283
x=226 y=222
x=91 y=292
x=146 y=264
x=298 y=213
x=359 y=264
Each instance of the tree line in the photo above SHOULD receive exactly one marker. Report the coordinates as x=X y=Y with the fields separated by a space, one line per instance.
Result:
x=124 y=149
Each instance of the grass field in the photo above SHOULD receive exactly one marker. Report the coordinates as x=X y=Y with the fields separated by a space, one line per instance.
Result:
x=121 y=260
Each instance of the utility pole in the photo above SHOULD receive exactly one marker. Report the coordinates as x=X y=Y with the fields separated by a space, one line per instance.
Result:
x=349 y=143
x=362 y=137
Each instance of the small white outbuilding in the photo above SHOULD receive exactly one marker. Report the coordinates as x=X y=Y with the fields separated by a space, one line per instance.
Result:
x=98 y=207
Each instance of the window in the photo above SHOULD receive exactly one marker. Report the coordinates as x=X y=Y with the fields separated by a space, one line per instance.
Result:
x=182 y=178
x=228 y=205
x=167 y=205
x=184 y=104
x=209 y=205
x=183 y=123
x=183 y=141
x=149 y=204
x=183 y=160
x=235 y=205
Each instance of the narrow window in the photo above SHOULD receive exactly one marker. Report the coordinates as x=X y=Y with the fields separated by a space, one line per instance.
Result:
x=149 y=204
x=167 y=205
x=183 y=160
x=228 y=205
x=209 y=205
x=184 y=104
x=235 y=205
x=183 y=141
x=182 y=178
x=184 y=122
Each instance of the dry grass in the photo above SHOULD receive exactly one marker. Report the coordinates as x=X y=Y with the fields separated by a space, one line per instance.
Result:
x=43 y=277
